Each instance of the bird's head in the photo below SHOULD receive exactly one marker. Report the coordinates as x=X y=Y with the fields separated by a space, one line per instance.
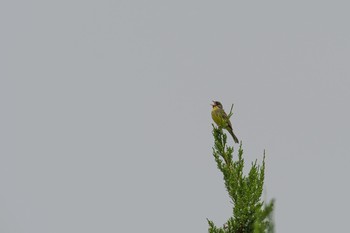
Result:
x=216 y=104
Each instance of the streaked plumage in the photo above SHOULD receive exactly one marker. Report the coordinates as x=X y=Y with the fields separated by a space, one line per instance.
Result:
x=221 y=119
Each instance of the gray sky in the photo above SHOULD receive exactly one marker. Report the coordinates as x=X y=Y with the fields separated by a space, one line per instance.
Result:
x=106 y=126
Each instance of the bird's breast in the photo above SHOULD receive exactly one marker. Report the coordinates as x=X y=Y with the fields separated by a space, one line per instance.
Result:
x=217 y=117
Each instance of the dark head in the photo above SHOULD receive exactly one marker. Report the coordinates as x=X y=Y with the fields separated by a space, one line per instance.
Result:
x=216 y=104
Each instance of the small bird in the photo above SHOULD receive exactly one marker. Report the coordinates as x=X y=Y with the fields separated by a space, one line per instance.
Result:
x=221 y=119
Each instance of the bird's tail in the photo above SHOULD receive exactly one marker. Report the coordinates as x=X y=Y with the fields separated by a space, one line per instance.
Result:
x=233 y=136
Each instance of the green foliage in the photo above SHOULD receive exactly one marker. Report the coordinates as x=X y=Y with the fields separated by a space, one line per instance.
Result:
x=250 y=213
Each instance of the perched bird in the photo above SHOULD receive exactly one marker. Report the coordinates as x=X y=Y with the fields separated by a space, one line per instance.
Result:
x=221 y=119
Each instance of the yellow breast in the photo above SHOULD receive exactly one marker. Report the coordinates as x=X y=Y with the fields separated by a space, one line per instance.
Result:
x=218 y=116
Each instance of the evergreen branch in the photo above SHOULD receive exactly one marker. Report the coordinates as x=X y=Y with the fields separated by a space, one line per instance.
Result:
x=231 y=112
x=250 y=215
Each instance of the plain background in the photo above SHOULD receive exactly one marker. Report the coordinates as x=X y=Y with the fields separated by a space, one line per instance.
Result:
x=105 y=112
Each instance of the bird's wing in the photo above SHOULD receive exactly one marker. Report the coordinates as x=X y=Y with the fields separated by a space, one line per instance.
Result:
x=229 y=125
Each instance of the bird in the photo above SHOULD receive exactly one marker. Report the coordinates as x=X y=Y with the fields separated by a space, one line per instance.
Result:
x=221 y=119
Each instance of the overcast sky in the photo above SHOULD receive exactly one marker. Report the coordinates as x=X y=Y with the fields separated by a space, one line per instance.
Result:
x=105 y=112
